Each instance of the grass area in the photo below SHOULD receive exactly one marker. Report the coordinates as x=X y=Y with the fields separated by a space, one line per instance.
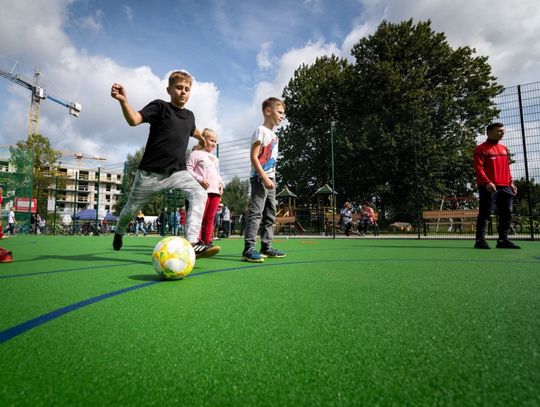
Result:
x=336 y=322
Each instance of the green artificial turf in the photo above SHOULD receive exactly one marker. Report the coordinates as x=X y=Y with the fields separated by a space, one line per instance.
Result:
x=336 y=322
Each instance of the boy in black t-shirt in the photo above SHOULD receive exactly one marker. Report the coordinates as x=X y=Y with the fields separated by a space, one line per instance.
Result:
x=163 y=165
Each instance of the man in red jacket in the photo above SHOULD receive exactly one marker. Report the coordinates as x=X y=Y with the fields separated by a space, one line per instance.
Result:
x=495 y=186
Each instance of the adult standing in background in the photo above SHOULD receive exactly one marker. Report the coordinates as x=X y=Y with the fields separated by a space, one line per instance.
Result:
x=495 y=187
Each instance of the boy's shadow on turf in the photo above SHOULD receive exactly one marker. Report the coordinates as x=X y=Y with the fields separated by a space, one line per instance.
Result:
x=86 y=258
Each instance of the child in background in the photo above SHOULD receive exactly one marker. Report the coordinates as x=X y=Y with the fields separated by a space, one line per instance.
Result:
x=262 y=207
x=204 y=166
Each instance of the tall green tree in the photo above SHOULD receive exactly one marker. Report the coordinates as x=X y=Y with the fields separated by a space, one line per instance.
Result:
x=35 y=156
x=525 y=191
x=236 y=195
x=316 y=97
x=406 y=117
x=425 y=103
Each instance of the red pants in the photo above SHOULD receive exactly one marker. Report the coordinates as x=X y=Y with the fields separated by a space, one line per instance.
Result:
x=207 y=226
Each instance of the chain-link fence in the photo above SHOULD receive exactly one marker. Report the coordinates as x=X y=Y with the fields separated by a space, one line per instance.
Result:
x=18 y=207
x=453 y=216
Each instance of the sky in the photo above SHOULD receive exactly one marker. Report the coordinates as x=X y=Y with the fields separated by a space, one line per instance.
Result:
x=239 y=52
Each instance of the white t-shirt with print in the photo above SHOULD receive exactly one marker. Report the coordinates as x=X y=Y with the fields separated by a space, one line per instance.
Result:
x=268 y=152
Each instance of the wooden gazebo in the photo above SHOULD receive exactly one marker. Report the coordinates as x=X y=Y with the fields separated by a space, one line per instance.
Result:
x=290 y=198
x=326 y=207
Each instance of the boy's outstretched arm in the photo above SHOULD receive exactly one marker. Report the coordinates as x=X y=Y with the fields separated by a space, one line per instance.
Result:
x=133 y=117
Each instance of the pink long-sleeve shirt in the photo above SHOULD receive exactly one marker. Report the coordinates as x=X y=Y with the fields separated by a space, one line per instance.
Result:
x=203 y=165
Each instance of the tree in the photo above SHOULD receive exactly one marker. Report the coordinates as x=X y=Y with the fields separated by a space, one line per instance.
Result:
x=406 y=117
x=427 y=103
x=35 y=156
x=236 y=195
x=521 y=200
x=317 y=96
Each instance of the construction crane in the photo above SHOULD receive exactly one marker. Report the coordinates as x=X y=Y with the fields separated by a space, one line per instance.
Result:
x=80 y=156
x=38 y=94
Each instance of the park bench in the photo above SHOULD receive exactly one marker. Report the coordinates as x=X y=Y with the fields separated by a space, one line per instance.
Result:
x=285 y=222
x=459 y=220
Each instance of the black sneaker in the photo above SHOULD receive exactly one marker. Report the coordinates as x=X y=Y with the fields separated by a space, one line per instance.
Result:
x=271 y=252
x=203 y=250
x=481 y=244
x=506 y=244
x=117 y=242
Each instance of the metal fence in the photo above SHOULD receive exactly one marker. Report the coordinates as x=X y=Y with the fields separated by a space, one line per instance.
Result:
x=519 y=108
x=520 y=111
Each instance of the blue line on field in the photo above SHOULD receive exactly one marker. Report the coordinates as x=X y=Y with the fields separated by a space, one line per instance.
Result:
x=17 y=330
x=12 y=332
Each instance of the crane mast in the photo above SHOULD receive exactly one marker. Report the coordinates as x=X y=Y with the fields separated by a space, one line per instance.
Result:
x=35 y=101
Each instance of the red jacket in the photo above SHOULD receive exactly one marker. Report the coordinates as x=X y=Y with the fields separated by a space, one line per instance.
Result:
x=492 y=164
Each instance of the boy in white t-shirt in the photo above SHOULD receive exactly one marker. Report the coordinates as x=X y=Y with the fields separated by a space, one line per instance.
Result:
x=262 y=207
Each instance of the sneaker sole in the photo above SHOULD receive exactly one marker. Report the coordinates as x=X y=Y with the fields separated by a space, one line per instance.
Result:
x=273 y=257
x=252 y=260
x=208 y=253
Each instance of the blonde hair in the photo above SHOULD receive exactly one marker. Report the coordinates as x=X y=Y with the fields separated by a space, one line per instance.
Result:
x=180 y=75
x=208 y=130
x=271 y=102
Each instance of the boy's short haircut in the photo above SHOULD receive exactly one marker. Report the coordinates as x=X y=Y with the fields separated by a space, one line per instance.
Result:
x=180 y=75
x=271 y=102
x=493 y=125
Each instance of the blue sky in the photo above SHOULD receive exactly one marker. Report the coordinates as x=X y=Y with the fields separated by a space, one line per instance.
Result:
x=239 y=52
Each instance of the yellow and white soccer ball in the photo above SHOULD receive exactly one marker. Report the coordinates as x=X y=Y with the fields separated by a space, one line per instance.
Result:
x=173 y=258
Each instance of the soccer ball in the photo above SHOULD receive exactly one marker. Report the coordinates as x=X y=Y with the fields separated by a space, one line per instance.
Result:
x=173 y=258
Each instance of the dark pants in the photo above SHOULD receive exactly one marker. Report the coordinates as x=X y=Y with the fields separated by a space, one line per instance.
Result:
x=502 y=198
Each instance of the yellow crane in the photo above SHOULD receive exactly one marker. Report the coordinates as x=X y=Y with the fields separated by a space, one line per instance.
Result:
x=38 y=94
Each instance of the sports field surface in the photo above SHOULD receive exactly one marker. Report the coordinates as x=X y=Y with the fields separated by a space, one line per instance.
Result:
x=336 y=323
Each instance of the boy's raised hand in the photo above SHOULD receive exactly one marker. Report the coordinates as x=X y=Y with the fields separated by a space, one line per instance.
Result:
x=118 y=92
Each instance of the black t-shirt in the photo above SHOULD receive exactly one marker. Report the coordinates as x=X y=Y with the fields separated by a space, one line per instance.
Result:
x=170 y=130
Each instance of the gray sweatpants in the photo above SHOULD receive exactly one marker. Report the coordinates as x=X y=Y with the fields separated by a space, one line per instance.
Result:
x=148 y=184
x=262 y=210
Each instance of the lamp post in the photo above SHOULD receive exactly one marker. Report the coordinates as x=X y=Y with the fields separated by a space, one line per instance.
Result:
x=332 y=196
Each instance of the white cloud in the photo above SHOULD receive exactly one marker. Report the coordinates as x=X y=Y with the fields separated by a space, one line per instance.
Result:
x=130 y=14
x=506 y=32
x=315 y=6
x=75 y=76
x=246 y=117
x=264 y=61
x=483 y=25
x=92 y=23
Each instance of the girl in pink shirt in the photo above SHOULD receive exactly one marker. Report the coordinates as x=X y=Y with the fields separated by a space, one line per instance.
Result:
x=204 y=167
